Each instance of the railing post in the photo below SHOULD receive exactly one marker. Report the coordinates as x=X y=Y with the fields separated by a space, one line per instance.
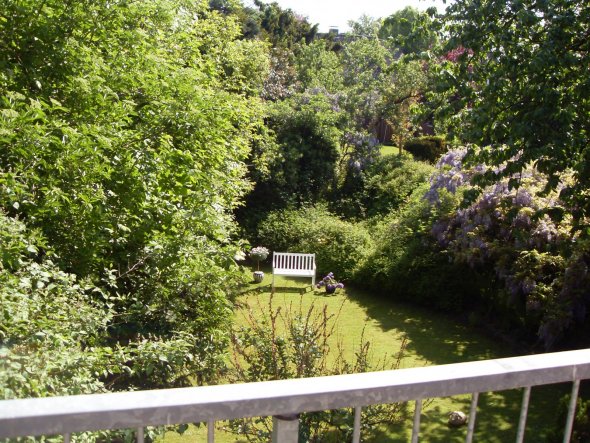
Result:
x=285 y=428
x=416 y=427
x=139 y=436
x=356 y=433
x=211 y=431
x=524 y=410
x=472 y=415
x=571 y=413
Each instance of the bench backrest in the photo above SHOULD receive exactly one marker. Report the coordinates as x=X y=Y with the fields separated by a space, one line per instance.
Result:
x=293 y=260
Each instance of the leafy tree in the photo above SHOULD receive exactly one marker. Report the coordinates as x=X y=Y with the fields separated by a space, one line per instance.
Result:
x=124 y=128
x=521 y=86
x=283 y=27
x=409 y=31
x=364 y=62
x=407 y=82
x=364 y=28
x=282 y=81
x=307 y=131
x=319 y=67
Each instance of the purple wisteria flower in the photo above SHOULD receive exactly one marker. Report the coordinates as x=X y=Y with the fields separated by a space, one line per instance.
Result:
x=501 y=229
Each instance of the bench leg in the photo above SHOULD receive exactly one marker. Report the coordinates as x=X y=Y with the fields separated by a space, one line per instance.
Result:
x=272 y=286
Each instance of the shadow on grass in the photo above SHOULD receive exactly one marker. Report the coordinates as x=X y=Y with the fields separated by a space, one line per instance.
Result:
x=440 y=339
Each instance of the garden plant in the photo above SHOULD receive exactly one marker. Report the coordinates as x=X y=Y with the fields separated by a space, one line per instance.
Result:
x=430 y=158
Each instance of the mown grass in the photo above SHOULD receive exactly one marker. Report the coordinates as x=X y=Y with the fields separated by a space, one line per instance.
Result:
x=389 y=150
x=431 y=339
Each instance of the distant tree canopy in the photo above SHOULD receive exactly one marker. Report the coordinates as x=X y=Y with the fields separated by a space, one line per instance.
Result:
x=409 y=30
x=282 y=27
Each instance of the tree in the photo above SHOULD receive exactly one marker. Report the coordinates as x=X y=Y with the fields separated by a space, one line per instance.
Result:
x=409 y=31
x=364 y=28
x=319 y=67
x=364 y=62
x=520 y=85
x=307 y=131
x=283 y=27
x=401 y=94
x=124 y=130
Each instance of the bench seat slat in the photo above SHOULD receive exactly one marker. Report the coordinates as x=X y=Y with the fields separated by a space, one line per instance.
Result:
x=294 y=272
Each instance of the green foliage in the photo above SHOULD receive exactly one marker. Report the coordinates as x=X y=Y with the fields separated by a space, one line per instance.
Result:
x=364 y=28
x=519 y=83
x=383 y=186
x=283 y=27
x=581 y=425
x=339 y=245
x=294 y=343
x=407 y=264
x=390 y=182
x=405 y=84
x=49 y=329
x=540 y=266
x=427 y=148
x=123 y=138
x=319 y=67
x=409 y=30
x=303 y=162
x=364 y=62
x=306 y=128
x=282 y=80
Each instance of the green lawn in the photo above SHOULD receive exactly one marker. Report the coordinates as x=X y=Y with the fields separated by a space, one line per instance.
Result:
x=389 y=150
x=431 y=340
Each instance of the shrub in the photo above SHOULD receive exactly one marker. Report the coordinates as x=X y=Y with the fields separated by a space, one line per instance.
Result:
x=525 y=235
x=40 y=353
x=407 y=264
x=375 y=188
x=339 y=245
x=390 y=182
x=294 y=343
x=428 y=148
x=581 y=425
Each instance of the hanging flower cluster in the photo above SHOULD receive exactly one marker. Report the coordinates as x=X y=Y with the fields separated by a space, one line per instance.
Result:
x=509 y=230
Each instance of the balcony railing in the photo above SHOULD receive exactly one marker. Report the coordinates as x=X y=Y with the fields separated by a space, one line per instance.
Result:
x=285 y=399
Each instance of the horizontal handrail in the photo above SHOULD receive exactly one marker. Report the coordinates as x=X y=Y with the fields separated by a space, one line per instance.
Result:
x=60 y=415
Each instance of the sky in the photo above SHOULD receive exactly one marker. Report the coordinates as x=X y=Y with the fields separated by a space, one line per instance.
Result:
x=337 y=13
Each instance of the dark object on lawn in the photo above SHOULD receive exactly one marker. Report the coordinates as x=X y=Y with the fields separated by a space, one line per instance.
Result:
x=457 y=418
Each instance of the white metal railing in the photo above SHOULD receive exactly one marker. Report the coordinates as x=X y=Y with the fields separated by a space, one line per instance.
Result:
x=286 y=398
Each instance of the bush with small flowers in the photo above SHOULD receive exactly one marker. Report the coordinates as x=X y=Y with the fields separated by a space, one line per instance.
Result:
x=514 y=230
x=330 y=283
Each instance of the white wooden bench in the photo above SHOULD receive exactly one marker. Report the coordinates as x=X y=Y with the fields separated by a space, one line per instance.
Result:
x=293 y=264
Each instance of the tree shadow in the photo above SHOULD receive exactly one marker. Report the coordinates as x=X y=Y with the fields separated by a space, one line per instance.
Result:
x=437 y=338
x=440 y=339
